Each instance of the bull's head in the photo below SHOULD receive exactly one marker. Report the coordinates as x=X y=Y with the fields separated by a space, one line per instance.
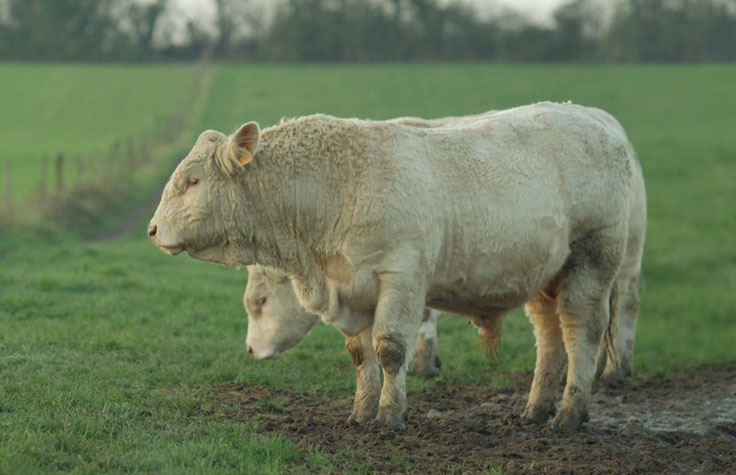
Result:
x=199 y=204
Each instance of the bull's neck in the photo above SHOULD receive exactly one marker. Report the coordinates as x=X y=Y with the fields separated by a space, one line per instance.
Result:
x=296 y=200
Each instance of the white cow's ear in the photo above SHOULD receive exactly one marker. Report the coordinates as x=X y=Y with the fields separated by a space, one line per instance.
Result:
x=239 y=149
x=243 y=143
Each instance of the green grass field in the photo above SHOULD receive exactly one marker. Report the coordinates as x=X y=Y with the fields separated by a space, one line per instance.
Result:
x=108 y=349
x=81 y=110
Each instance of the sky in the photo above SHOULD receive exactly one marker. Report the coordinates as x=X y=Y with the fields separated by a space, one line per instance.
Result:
x=203 y=11
x=537 y=10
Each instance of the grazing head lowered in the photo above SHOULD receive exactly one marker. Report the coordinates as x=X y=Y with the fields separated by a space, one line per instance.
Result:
x=276 y=321
x=196 y=211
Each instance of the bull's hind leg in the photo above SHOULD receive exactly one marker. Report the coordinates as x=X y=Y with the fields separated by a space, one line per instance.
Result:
x=368 y=379
x=426 y=360
x=542 y=311
x=584 y=291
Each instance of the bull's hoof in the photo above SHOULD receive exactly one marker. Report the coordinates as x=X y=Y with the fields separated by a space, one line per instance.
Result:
x=426 y=367
x=429 y=371
x=538 y=414
x=361 y=416
x=389 y=420
x=569 y=420
x=614 y=376
x=627 y=370
x=613 y=379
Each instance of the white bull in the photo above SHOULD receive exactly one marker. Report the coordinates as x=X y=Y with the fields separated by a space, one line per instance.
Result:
x=374 y=221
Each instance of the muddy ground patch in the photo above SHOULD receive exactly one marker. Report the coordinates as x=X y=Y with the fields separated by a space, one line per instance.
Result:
x=684 y=423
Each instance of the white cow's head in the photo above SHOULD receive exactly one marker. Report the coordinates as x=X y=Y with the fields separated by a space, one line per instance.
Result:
x=203 y=199
x=276 y=321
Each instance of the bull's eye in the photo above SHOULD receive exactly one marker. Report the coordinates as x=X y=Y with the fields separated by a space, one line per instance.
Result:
x=192 y=182
x=261 y=301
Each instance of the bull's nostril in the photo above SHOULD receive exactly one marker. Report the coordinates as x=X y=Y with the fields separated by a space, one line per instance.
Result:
x=250 y=350
x=152 y=230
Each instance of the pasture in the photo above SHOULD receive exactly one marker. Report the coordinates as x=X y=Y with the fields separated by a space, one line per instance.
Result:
x=115 y=356
x=51 y=109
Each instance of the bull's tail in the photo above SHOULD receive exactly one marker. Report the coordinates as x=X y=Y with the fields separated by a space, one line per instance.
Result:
x=612 y=329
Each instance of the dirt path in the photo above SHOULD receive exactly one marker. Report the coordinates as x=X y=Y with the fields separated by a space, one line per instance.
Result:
x=684 y=423
x=133 y=219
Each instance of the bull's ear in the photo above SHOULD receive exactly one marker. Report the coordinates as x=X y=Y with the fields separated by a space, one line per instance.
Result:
x=243 y=143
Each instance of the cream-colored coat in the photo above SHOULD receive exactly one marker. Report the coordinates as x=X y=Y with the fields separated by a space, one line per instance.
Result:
x=278 y=322
x=527 y=205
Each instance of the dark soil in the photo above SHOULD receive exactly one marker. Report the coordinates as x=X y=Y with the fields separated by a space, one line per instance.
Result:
x=684 y=423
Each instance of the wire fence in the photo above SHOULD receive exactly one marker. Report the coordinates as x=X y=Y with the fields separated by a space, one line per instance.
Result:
x=62 y=173
x=81 y=191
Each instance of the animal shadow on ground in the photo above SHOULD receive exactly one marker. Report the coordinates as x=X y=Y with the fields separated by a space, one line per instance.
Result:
x=685 y=422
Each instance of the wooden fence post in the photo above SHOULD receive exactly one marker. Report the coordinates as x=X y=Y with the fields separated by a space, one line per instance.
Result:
x=59 y=172
x=160 y=128
x=131 y=152
x=143 y=152
x=43 y=186
x=80 y=168
x=113 y=158
x=9 y=185
x=100 y=165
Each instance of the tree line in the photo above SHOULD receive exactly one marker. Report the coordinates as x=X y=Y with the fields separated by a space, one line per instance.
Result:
x=367 y=30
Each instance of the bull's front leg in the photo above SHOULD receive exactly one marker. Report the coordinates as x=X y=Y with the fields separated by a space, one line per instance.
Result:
x=368 y=379
x=398 y=316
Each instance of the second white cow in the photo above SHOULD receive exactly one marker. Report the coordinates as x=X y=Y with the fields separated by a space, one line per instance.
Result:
x=277 y=322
